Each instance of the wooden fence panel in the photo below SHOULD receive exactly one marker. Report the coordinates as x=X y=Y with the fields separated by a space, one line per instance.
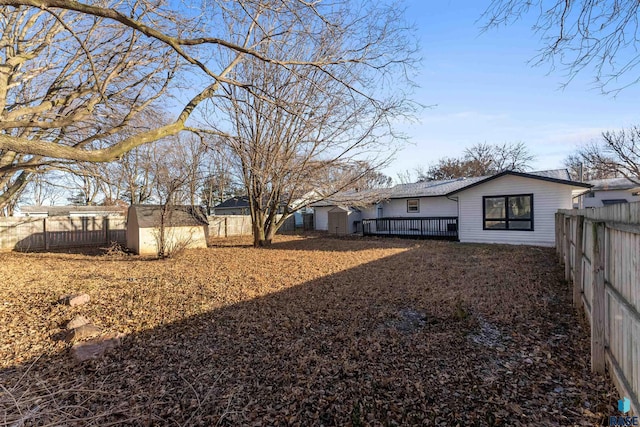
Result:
x=238 y=225
x=28 y=234
x=610 y=286
x=229 y=225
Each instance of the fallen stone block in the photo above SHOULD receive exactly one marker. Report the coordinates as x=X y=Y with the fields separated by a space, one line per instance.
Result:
x=83 y=332
x=95 y=348
x=74 y=300
x=76 y=322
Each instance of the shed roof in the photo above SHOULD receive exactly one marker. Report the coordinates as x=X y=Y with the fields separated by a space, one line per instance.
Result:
x=149 y=216
x=613 y=184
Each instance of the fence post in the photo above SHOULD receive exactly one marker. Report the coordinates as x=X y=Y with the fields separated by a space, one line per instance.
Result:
x=567 y=249
x=225 y=227
x=105 y=226
x=597 y=303
x=44 y=234
x=561 y=238
x=558 y=234
x=577 y=263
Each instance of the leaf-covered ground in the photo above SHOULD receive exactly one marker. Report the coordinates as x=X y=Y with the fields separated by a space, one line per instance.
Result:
x=312 y=331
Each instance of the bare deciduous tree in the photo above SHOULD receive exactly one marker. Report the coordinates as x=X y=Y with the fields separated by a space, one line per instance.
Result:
x=69 y=84
x=581 y=168
x=618 y=154
x=220 y=181
x=481 y=160
x=297 y=125
x=598 y=35
x=76 y=74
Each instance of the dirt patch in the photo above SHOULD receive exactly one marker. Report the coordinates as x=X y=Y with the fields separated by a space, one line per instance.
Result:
x=314 y=331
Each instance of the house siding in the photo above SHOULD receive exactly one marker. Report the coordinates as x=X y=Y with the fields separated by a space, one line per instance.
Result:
x=548 y=197
x=321 y=217
x=600 y=195
x=429 y=207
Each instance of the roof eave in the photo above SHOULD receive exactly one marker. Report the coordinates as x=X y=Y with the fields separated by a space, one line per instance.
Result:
x=523 y=175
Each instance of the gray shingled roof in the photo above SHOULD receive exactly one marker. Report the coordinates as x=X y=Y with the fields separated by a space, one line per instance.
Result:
x=433 y=188
x=149 y=216
x=234 y=202
x=558 y=176
x=562 y=174
x=612 y=184
x=355 y=198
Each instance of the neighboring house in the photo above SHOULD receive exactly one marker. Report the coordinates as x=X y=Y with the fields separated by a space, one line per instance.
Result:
x=233 y=206
x=611 y=191
x=240 y=206
x=72 y=211
x=509 y=207
x=184 y=227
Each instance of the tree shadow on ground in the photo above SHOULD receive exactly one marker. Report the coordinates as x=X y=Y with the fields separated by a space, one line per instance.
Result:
x=417 y=338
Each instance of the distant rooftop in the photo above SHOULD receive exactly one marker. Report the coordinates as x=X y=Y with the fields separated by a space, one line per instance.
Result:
x=234 y=202
x=613 y=184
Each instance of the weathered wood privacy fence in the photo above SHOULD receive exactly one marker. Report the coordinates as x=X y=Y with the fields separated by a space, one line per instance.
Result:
x=600 y=250
x=32 y=234
x=229 y=225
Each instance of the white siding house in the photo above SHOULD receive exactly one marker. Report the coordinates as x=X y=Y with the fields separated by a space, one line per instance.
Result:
x=542 y=197
x=509 y=207
x=611 y=191
x=321 y=217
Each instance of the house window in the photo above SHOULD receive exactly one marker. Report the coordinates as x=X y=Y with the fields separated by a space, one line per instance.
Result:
x=508 y=212
x=413 y=205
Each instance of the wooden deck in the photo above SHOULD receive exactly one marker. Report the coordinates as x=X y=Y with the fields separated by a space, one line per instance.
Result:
x=444 y=228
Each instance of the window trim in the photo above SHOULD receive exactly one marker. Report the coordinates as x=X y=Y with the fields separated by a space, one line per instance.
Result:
x=417 y=206
x=506 y=211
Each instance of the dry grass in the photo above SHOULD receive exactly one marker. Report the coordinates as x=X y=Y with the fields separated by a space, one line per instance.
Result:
x=314 y=331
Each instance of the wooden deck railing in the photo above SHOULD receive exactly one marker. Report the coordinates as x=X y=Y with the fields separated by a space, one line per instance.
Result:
x=426 y=227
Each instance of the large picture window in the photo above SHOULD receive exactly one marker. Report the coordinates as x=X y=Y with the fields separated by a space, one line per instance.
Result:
x=508 y=212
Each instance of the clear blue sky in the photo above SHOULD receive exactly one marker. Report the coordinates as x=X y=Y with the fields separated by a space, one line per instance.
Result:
x=483 y=89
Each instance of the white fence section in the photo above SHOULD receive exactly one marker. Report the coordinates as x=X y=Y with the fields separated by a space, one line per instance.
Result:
x=600 y=249
x=30 y=234
x=229 y=225
x=240 y=225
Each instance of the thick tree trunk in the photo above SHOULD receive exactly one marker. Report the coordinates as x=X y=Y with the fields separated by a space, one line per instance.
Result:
x=258 y=235
x=263 y=233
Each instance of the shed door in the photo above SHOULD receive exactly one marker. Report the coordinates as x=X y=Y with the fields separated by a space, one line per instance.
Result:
x=338 y=223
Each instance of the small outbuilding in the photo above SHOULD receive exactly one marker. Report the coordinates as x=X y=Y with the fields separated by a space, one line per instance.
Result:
x=343 y=220
x=177 y=227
